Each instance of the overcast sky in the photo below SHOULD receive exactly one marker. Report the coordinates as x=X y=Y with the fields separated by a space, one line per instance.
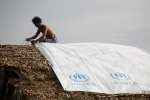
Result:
x=111 y=21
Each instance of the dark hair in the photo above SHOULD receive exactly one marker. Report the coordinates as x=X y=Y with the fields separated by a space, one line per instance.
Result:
x=36 y=19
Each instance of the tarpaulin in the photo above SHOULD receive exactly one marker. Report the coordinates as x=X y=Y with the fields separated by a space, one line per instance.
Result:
x=99 y=67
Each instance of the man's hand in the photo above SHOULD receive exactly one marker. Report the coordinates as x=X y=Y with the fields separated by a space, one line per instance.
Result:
x=28 y=39
x=33 y=42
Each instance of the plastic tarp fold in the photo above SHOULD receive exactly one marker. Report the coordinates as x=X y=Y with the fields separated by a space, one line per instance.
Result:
x=99 y=67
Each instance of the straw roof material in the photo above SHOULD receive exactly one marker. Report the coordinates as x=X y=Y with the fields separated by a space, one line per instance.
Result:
x=27 y=60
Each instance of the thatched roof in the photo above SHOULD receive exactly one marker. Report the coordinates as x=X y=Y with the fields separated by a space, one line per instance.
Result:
x=29 y=77
x=27 y=60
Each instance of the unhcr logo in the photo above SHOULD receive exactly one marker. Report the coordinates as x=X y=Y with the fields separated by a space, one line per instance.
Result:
x=78 y=77
x=120 y=76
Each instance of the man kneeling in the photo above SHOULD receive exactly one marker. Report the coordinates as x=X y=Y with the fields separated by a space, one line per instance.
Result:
x=47 y=34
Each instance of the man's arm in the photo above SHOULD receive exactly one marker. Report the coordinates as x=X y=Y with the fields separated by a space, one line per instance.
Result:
x=34 y=36
x=43 y=29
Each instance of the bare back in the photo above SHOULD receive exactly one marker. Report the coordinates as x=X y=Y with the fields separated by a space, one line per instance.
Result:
x=46 y=31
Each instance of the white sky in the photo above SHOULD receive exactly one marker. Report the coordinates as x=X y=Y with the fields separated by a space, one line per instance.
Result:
x=110 y=21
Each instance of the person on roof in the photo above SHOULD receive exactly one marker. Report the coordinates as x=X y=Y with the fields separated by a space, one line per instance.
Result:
x=47 y=33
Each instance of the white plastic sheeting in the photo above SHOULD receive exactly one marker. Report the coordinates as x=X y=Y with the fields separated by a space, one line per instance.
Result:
x=98 y=67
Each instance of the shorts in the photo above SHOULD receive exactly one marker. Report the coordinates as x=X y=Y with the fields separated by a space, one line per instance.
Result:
x=49 y=40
